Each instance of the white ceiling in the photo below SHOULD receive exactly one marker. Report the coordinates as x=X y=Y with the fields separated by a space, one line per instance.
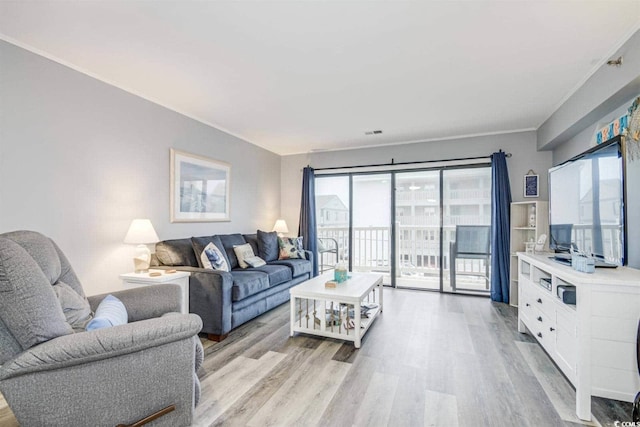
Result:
x=299 y=76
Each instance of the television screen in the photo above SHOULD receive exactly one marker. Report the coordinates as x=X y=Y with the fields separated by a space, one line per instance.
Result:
x=586 y=204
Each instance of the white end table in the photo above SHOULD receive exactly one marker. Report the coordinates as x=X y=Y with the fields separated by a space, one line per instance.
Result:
x=180 y=278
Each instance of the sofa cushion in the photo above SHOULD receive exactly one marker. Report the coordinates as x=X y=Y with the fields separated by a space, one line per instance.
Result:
x=277 y=273
x=298 y=266
x=267 y=245
x=228 y=242
x=252 y=239
x=29 y=307
x=176 y=252
x=198 y=244
x=247 y=283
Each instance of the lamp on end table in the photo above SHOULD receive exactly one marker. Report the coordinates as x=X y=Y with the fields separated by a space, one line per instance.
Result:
x=141 y=233
x=280 y=227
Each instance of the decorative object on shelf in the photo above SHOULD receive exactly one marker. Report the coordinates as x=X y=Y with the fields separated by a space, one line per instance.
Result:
x=199 y=188
x=539 y=246
x=532 y=216
x=280 y=227
x=531 y=184
x=529 y=246
x=633 y=131
x=141 y=233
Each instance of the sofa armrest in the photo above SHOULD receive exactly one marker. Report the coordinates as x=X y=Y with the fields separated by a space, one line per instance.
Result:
x=209 y=297
x=145 y=302
x=87 y=347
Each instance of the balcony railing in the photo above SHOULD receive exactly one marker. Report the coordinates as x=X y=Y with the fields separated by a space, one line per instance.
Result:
x=417 y=249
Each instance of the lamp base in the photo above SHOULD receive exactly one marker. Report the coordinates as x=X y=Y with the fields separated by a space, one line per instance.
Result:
x=142 y=260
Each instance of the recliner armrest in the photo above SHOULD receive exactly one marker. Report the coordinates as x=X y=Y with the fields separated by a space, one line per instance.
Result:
x=87 y=347
x=146 y=302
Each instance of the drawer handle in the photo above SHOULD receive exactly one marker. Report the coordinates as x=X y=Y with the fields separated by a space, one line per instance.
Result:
x=540 y=334
x=552 y=329
x=528 y=305
x=539 y=318
x=539 y=300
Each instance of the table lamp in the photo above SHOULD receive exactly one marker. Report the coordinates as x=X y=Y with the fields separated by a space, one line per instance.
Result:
x=141 y=233
x=280 y=227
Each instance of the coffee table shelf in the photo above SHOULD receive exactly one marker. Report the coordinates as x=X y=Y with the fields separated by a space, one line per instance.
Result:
x=312 y=305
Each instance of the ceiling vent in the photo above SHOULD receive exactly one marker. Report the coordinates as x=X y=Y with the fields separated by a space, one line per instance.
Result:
x=373 y=132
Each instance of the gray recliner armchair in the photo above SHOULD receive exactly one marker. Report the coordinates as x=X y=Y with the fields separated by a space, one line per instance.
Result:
x=52 y=374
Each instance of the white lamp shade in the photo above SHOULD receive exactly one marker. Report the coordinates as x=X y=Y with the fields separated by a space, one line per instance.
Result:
x=141 y=232
x=280 y=226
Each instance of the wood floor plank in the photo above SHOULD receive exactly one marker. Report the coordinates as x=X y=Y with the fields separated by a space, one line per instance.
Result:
x=440 y=410
x=245 y=408
x=347 y=398
x=304 y=397
x=561 y=395
x=227 y=385
x=376 y=403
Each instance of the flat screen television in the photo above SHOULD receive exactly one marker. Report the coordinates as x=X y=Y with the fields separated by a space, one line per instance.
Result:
x=587 y=205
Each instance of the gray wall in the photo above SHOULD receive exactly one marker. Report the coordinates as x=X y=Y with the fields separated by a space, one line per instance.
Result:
x=79 y=159
x=521 y=145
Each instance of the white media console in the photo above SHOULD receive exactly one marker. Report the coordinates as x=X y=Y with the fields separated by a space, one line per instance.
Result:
x=594 y=341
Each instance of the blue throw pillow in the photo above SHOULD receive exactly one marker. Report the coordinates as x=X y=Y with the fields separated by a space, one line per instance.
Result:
x=110 y=312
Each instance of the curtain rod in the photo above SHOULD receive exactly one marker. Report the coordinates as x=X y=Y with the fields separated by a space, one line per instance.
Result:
x=393 y=163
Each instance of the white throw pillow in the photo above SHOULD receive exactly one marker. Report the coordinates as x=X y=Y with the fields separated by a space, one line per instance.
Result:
x=242 y=253
x=212 y=258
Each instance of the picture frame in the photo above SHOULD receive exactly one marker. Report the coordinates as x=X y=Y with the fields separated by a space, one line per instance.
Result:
x=200 y=188
x=531 y=186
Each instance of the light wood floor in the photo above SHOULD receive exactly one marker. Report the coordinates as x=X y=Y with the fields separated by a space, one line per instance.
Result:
x=429 y=360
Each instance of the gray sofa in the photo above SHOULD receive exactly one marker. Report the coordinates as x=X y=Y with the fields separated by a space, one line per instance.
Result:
x=226 y=300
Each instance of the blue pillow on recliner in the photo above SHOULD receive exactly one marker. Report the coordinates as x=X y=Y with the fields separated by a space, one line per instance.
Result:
x=110 y=312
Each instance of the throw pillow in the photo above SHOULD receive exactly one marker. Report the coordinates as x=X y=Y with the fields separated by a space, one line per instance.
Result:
x=290 y=247
x=242 y=253
x=199 y=243
x=212 y=258
x=76 y=308
x=110 y=312
x=255 y=261
x=268 y=245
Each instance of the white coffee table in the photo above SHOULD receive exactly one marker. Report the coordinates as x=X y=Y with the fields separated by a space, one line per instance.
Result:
x=336 y=312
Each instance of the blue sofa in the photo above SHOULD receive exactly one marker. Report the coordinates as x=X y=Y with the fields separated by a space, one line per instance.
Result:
x=226 y=300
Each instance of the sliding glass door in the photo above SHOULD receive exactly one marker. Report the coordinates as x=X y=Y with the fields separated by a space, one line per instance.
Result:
x=371 y=228
x=466 y=220
x=403 y=224
x=418 y=229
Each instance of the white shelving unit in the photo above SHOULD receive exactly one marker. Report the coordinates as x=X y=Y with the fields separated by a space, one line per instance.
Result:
x=525 y=229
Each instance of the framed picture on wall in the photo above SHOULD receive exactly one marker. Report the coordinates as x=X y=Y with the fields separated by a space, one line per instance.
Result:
x=199 y=188
x=531 y=185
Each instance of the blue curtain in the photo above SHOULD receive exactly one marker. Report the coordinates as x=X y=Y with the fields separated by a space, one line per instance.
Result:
x=500 y=230
x=307 y=227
